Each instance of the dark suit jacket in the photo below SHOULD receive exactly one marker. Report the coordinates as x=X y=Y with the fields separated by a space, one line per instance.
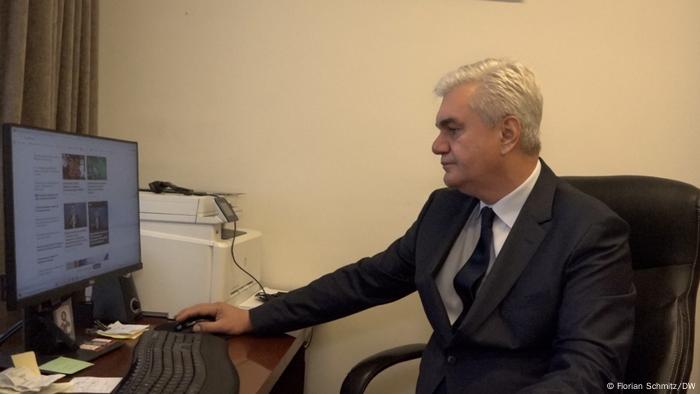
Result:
x=554 y=315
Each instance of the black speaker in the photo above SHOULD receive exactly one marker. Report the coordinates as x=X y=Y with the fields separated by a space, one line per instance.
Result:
x=115 y=298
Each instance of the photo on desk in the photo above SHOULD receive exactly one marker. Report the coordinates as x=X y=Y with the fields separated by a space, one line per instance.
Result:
x=63 y=318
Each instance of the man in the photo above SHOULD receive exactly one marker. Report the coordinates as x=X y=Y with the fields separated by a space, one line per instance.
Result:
x=526 y=281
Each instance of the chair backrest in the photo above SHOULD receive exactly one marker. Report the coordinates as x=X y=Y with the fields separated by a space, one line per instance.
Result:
x=664 y=218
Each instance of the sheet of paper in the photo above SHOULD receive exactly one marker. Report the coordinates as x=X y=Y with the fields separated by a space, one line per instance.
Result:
x=56 y=388
x=124 y=331
x=116 y=336
x=93 y=385
x=26 y=360
x=250 y=303
x=65 y=365
x=253 y=302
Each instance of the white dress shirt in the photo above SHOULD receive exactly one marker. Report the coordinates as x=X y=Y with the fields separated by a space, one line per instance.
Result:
x=507 y=210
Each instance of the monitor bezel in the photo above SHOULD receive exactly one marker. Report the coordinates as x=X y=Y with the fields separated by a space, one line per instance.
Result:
x=10 y=283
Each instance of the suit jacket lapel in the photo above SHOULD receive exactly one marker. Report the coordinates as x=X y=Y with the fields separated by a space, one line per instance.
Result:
x=447 y=228
x=523 y=240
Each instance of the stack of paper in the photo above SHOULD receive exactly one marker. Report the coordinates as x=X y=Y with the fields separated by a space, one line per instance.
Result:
x=20 y=379
x=26 y=377
x=118 y=330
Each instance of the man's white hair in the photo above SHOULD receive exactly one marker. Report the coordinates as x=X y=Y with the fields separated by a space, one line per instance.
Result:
x=504 y=88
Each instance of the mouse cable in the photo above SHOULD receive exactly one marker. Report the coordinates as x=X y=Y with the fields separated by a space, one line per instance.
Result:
x=233 y=256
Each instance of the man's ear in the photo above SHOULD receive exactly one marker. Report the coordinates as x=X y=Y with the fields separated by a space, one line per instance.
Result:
x=510 y=133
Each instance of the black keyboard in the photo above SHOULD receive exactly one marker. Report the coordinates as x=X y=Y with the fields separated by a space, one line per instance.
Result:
x=175 y=362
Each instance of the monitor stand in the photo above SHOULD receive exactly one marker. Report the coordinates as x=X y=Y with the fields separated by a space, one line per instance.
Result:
x=48 y=341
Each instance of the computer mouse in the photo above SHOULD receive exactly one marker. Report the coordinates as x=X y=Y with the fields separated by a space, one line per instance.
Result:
x=186 y=325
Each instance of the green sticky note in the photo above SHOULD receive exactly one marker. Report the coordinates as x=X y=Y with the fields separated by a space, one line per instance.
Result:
x=65 y=365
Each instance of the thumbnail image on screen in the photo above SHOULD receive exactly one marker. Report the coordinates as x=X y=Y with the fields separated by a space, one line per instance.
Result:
x=97 y=167
x=99 y=223
x=73 y=166
x=74 y=215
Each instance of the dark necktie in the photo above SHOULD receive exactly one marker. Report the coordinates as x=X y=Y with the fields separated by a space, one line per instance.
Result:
x=468 y=279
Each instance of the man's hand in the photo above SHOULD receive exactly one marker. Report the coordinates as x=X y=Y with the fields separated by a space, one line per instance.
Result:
x=228 y=319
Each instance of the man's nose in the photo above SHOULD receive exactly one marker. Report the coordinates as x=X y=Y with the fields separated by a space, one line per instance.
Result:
x=440 y=145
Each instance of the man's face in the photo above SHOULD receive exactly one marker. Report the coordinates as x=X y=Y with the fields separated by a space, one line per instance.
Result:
x=470 y=150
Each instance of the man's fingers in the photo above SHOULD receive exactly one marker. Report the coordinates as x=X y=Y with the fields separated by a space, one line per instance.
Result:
x=197 y=310
x=214 y=326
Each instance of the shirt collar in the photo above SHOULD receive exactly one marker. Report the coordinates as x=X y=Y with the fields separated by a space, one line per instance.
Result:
x=508 y=207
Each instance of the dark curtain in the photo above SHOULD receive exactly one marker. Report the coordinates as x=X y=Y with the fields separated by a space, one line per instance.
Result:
x=48 y=64
x=48 y=72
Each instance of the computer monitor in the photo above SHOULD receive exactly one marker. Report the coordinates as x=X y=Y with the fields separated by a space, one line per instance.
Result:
x=71 y=208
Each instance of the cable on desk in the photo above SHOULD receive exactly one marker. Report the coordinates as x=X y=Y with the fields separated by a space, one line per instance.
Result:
x=13 y=329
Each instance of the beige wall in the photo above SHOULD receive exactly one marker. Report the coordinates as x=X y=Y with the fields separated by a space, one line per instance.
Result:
x=322 y=112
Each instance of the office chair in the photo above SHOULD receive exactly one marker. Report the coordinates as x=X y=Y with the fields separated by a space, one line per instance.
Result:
x=664 y=219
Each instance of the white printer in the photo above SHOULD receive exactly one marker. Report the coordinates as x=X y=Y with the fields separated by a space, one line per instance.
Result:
x=186 y=254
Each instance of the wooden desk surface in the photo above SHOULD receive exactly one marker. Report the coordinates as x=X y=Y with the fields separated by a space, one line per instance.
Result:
x=260 y=361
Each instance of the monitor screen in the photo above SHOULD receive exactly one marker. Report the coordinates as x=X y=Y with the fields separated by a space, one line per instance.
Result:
x=71 y=211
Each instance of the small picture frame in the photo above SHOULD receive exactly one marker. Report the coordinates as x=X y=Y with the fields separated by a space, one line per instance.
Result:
x=63 y=318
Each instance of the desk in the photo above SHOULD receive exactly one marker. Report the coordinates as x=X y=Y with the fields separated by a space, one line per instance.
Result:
x=270 y=364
